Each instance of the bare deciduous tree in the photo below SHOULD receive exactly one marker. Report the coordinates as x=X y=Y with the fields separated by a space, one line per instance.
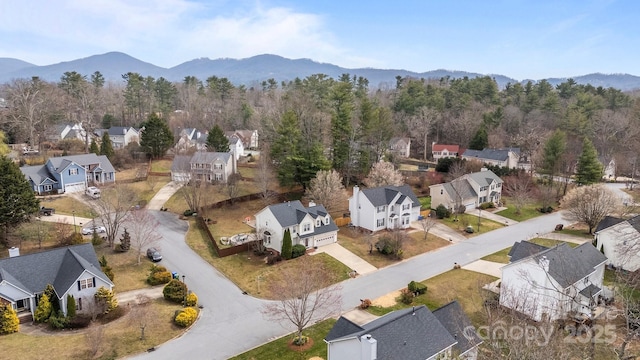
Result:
x=141 y=314
x=94 y=336
x=142 y=227
x=590 y=204
x=427 y=223
x=303 y=296
x=113 y=209
x=383 y=173
x=232 y=186
x=326 y=189
x=264 y=178
x=519 y=188
x=194 y=191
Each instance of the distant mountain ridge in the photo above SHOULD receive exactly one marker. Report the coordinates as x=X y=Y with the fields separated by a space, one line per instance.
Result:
x=254 y=70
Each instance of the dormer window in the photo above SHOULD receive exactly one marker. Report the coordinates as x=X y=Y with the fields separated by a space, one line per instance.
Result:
x=318 y=222
x=326 y=220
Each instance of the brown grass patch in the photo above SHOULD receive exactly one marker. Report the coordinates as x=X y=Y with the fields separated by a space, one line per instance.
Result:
x=356 y=242
x=66 y=205
x=128 y=274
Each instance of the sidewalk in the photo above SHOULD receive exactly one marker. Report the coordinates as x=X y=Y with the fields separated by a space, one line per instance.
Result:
x=346 y=257
x=442 y=231
x=68 y=219
x=496 y=217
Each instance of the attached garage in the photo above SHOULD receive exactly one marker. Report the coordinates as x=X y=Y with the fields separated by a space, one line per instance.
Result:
x=470 y=206
x=75 y=187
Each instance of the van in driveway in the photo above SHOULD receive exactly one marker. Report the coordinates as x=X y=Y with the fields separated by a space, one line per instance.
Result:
x=93 y=192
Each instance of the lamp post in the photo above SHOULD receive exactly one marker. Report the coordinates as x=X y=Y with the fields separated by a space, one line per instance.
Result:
x=74 y=221
x=479 y=212
x=184 y=299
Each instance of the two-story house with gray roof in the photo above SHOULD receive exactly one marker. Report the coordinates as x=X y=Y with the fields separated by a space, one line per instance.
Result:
x=72 y=270
x=120 y=136
x=310 y=226
x=469 y=191
x=385 y=207
x=552 y=283
x=203 y=165
x=68 y=174
x=619 y=241
x=408 y=334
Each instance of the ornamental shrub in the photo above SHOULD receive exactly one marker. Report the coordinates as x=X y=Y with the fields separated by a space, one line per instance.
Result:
x=43 y=311
x=287 y=247
x=384 y=246
x=9 y=322
x=57 y=320
x=106 y=299
x=298 y=250
x=406 y=296
x=71 y=306
x=364 y=304
x=442 y=212
x=158 y=275
x=175 y=291
x=185 y=317
x=192 y=299
x=417 y=288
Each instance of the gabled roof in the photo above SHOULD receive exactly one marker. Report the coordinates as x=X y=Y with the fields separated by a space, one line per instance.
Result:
x=523 y=249
x=607 y=222
x=492 y=154
x=120 y=130
x=484 y=178
x=442 y=147
x=460 y=187
x=181 y=163
x=207 y=157
x=291 y=213
x=400 y=140
x=457 y=323
x=38 y=174
x=568 y=265
x=83 y=160
x=408 y=334
x=384 y=195
x=59 y=267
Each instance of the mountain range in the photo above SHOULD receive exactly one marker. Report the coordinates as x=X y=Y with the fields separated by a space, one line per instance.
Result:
x=254 y=70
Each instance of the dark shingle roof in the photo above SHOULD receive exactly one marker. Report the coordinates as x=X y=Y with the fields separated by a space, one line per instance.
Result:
x=38 y=174
x=523 y=249
x=568 y=265
x=590 y=291
x=456 y=321
x=181 y=163
x=293 y=212
x=608 y=221
x=408 y=334
x=460 y=187
x=492 y=154
x=204 y=157
x=59 y=267
x=384 y=195
x=83 y=160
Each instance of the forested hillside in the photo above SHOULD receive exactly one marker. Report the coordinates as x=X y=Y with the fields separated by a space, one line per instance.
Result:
x=340 y=123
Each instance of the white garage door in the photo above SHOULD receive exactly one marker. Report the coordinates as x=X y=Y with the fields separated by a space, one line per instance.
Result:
x=76 y=187
x=470 y=206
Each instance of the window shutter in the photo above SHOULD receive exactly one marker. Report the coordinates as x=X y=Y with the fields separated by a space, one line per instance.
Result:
x=94 y=282
x=79 y=285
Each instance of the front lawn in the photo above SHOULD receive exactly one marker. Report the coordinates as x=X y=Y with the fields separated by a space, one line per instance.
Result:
x=527 y=212
x=501 y=256
x=464 y=220
x=128 y=274
x=279 y=349
x=65 y=205
x=425 y=202
x=461 y=285
x=359 y=244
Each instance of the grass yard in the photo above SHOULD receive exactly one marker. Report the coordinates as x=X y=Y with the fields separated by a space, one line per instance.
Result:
x=230 y=219
x=247 y=172
x=178 y=205
x=465 y=220
x=358 y=243
x=425 y=201
x=576 y=230
x=501 y=256
x=527 y=212
x=145 y=190
x=462 y=285
x=66 y=205
x=279 y=349
x=251 y=273
x=128 y=274
x=119 y=338
x=161 y=165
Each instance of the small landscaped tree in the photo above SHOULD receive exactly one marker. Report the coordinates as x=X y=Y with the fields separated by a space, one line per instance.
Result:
x=94 y=149
x=9 y=322
x=175 y=291
x=43 y=311
x=106 y=300
x=287 y=246
x=590 y=204
x=71 y=306
x=143 y=230
x=125 y=241
x=106 y=269
x=53 y=298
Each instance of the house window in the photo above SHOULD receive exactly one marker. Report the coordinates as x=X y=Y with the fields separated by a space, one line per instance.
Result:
x=306 y=227
x=218 y=177
x=47 y=187
x=79 y=304
x=406 y=206
x=380 y=222
x=217 y=166
x=380 y=209
x=85 y=284
x=326 y=220
x=318 y=222
x=73 y=171
x=405 y=220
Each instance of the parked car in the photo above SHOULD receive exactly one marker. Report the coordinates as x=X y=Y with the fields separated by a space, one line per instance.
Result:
x=47 y=211
x=153 y=254
x=93 y=192
x=90 y=229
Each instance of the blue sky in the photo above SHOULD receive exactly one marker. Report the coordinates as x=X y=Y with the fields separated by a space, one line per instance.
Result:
x=531 y=39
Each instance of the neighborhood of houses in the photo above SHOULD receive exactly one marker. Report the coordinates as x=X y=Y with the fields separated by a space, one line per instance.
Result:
x=541 y=283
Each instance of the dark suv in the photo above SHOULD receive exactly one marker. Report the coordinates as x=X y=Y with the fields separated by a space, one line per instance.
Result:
x=153 y=254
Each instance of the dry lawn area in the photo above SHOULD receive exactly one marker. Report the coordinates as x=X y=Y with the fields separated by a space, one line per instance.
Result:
x=66 y=205
x=120 y=338
x=128 y=275
x=358 y=243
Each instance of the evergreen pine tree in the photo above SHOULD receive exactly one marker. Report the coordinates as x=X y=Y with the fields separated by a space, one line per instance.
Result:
x=589 y=167
x=53 y=298
x=106 y=148
x=287 y=246
x=480 y=139
x=216 y=141
x=156 y=137
x=93 y=148
x=43 y=311
x=125 y=241
x=17 y=199
x=553 y=150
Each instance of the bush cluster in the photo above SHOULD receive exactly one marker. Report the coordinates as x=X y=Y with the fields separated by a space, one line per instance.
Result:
x=273 y=259
x=364 y=304
x=298 y=250
x=185 y=317
x=547 y=209
x=9 y=322
x=406 y=296
x=188 y=212
x=192 y=299
x=442 y=212
x=487 y=205
x=175 y=291
x=417 y=288
x=58 y=320
x=158 y=275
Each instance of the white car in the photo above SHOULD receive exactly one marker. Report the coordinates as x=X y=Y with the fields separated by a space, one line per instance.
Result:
x=89 y=230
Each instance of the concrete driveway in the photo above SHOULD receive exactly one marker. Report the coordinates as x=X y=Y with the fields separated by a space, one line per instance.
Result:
x=485 y=267
x=346 y=257
x=164 y=194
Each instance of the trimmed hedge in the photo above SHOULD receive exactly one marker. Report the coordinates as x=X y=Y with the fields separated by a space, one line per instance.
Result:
x=417 y=288
x=175 y=291
x=192 y=299
x=158 y=275
x=298 y=250
x=185 y=317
